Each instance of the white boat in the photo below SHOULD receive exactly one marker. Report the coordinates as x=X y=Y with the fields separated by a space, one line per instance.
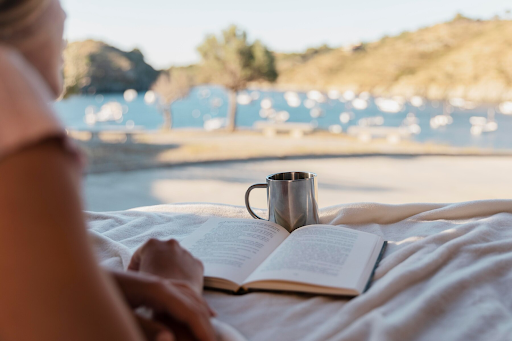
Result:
x=292 y=99
x=335 y=129
x=457 y=102
x=490 y=127
x=333 y=94
x=346 y=117
x=309 y=103
x=294 y=103
x=506 y=108
x=411 y=122
x=414 y=128
x=282 y=116
x=150 y=97
x=388 y=105
x=440 y=121
x=417 y=101
x=349 y=95
x=359 y=103
x=130 y=95
x=480 y=124
x=90 y=116
x=487 y=128
x=316 y=95
x=290 y=95
x=214 y=124
x=316 y=112
x=111 y=111
x=243 y=98
x=266 y=103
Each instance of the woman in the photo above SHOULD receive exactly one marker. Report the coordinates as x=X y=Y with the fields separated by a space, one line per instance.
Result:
x=51 y=287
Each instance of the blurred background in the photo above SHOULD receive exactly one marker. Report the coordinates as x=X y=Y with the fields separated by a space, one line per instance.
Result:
x=387 y=101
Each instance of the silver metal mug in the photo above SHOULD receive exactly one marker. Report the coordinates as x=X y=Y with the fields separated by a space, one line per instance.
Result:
x=292 y=199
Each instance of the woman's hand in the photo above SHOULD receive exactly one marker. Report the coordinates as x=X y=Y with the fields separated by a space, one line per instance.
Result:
x=168 y=260
x=176 y=300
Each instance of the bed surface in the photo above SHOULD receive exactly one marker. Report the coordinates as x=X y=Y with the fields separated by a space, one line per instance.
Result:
x=446 y=273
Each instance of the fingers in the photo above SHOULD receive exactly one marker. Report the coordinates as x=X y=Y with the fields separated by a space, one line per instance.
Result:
x=154 y=331
x=196 y=314
x=135 y=261
x=176 y=299
x=186 y=306
x=169 y=260
x=201 y=299
x=150 y=245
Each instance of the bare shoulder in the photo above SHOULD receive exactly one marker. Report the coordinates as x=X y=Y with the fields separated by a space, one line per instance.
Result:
x=12 y=63
x=21 y=86
x=16 y=74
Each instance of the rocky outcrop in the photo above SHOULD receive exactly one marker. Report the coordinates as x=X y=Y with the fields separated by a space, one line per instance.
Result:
x=95 y=67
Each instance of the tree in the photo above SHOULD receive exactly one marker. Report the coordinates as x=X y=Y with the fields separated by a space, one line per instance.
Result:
x=232 y=62
x=171 y=86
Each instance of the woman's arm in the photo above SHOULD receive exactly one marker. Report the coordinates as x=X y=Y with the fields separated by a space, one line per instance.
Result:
x=50 y=285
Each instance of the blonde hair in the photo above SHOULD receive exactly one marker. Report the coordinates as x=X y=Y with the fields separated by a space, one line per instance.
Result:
x=18 y=15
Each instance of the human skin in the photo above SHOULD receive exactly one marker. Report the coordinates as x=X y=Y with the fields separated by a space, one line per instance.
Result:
x=52 y=287
x=169 y=261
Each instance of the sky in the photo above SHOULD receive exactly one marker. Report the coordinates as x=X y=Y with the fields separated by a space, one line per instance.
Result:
x=169 y=31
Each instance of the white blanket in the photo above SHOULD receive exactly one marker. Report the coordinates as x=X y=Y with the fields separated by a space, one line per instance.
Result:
x=446 y=274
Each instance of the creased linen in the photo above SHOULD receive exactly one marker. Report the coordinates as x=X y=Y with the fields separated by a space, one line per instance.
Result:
x=446 y=274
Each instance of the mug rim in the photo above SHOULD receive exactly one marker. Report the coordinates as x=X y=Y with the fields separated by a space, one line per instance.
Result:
x=313 y=175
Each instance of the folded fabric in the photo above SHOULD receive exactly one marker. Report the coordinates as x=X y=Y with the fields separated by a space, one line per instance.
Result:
x=446 y=274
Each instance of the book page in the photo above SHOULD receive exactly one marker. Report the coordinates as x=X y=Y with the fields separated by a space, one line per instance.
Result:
x=319 y=255
x=233 y=248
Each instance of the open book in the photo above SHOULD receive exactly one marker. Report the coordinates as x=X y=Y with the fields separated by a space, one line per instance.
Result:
x=240 y=255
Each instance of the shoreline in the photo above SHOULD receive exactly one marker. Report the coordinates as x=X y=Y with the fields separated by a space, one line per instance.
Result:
x=183 y=147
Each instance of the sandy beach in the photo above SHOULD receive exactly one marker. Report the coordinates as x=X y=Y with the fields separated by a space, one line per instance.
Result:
x=194 y=166
x=109 y=152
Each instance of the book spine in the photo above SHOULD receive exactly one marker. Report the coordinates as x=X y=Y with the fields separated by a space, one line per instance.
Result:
x=381 y=254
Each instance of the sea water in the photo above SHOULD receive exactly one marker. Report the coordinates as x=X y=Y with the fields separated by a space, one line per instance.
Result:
x=206 y=103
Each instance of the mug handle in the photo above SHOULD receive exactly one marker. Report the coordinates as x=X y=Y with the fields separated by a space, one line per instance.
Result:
x=254 y=215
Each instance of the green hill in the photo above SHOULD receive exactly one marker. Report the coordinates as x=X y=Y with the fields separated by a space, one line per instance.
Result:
x=461 y=58
x=93 y=66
